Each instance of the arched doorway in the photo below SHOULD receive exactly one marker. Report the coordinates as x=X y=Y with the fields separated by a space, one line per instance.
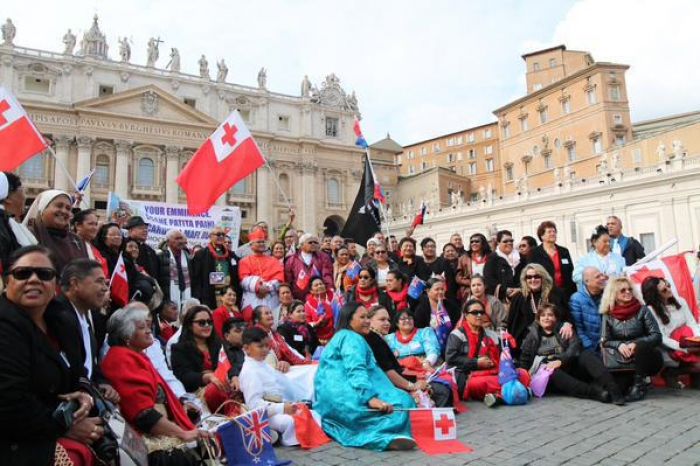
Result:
x=333 y=225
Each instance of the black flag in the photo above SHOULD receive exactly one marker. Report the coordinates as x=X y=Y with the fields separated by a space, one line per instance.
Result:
x=363 y=221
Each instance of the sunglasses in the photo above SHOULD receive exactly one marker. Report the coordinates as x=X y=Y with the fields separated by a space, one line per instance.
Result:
x=625 y=290
x=312 y=242
x=380 y=252
x=533 y=277
x=474 y=241
x=510 y=241
x=219 y=235
x=203 y=322
x=476 y=313
x=406 y=319
x=366 y=277
x=44 y=274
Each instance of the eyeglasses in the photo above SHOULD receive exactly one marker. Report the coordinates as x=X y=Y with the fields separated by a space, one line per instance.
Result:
x=203 y=322
x=379 y=252
x=406 y=319
x=219 y=235
x=44 y=274
x=533 y=277
x=625 y=290
x=510 y=241
x=364 y=277
x=476 y=313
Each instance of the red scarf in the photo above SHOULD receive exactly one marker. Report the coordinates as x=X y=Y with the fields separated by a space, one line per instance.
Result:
x=406 y=340
x=627 y=311
x=367 y=297
x=400 y=298
x=487 y=347
x=219 y=257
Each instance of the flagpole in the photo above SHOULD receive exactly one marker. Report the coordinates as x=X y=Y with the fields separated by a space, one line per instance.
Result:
x=65 y=170
x=279 y=187
x=381 y=205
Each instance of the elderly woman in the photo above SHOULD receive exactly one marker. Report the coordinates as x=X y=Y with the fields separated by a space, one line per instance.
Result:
x=382 y=265
x=601 y=257
x=350 y=386
x=676 y=322
x=86 y=226
x=368 y=256
x=536 y=288
x=436 y=312
x=51 y=215
x=282 y=355
x=319 y=311
x=147 y=402
x=37 y=371
x=409 y=341
x=496 y=313
x=630 y=336
x=554 y=258
x=297 y=332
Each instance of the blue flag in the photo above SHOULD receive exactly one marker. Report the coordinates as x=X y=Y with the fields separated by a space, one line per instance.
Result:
x=416 y=287
x=85 y=182
x=247 y=440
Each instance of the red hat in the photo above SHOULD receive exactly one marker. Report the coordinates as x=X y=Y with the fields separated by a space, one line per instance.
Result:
x=257 y=235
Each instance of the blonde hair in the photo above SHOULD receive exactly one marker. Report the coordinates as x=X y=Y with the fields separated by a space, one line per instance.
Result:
x=547 y=282
x=607 y=302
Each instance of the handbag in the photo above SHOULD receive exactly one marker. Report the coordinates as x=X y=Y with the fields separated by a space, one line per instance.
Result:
x=540 y=380
x=612 y=359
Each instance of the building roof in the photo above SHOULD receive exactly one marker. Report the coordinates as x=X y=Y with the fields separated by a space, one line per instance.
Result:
x=442 y=136
x=550 y=49
x=648 y=128
x=439 y=170
x=388 y=145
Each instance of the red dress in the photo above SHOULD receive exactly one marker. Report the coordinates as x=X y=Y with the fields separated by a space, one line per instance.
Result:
x=319 y=314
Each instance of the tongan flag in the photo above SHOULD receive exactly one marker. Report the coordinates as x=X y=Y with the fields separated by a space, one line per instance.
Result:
x=226 y=157
x=420 y=216
x=19 y=138
x=119 y=284
x=435 y=431
x=360 y=141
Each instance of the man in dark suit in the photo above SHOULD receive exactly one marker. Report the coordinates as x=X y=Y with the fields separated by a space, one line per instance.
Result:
x=148 y=259
x=85 y=289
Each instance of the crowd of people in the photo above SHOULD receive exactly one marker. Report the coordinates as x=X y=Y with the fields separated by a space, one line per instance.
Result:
x=354 y=331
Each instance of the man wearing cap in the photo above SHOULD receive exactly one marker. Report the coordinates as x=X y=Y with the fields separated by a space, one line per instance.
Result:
x=260 y=274
x=148 y=259
x=306 y=264
x=214 y=269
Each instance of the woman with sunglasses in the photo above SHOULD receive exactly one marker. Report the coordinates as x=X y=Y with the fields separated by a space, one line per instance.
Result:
x=499 y=271
x=367 y=293
x=676 y=322
x=630 y=337
x=36 y=375
x=554 y=258
x=536 y=288
x=297 y=332
x=474 y=352
x=382 y=264
x=319 y=311
x=435 y=311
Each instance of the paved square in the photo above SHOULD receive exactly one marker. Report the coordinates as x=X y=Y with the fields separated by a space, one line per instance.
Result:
x=663 y=429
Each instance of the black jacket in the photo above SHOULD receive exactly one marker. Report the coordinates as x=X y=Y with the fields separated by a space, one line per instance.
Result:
x=521 y=314
x=384 y=301
x=528 y=351
x=201 y=265
x=540 y=256
x=457 y=355
x=422 y=312
x=417 y=268
x=188 y=363
x=148 y=259
x=8 y=242
x=633 y=252
x=235 y=356
x=32 y=375
x=640 y=328
x=498 y=276
x=296 y=340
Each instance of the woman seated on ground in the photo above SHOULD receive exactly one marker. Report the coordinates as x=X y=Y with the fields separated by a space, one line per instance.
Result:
x=297 y=332
x=397 y=291
x=386 y=359
x=629 y=335
x=34 y=375
x=195 y=357
x=147 y=402
x=282 y=355
x=475 y=354
x=367 y=293
x=349 y=383
x=536 y=288
x=496 y=313
x=576 y=372
x=319 y=312
x=409 y=341
x=228 y=310
x=675 y=322
x=436 y=312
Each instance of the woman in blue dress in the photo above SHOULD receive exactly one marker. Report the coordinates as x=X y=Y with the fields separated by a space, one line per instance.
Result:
x=410 y=341
x=349 y=383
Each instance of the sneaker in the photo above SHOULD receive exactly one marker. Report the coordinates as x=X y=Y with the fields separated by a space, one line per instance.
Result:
x=490 y=400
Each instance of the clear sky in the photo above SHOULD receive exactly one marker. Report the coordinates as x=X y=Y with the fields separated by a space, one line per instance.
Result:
x=420 y=68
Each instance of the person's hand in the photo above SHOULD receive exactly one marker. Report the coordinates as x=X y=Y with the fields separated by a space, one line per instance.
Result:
x=193 y=435
x=85 y=404
x=632 y=347
x=210 y=377
x=421 y=385
x=110 y=393
x=283 y=366
x=554 y=364
x=292 y=215
x=625 y=350
x=566 y=331
x=376 y=403
x=236 y=383
x=290 y=409
x=191 y=408
x=510 y=292
x=484 y=362
x=86 y=430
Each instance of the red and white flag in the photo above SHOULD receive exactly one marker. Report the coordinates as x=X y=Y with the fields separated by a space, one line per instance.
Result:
x=226 y=157
x=19 y=138
x=119 y=284
x=435 y=431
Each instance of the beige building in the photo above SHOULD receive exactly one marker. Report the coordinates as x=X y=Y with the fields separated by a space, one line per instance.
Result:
x=438 y=187
x=138 y=125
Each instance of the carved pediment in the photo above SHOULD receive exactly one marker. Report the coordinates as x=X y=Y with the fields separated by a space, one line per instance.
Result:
x=150 y=102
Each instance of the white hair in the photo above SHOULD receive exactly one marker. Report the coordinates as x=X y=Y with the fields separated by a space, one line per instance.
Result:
x=374 y=241
x=169 y=235
x=305 y=237
x=121 y=326
x=188 y=304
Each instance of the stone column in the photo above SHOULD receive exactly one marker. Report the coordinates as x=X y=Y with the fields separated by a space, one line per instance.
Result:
x=172 y=157
x=309 y=200
x=60 y=177
x=262 y=190
x=84 y=163
x=121 y=169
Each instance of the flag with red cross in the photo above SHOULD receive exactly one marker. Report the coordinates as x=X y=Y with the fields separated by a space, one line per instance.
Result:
x=19 y=138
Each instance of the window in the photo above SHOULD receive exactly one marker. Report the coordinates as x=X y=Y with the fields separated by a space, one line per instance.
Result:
x=620 y=140
x=488 y=150
x=472 y=154
x=472 y=168
x=615 y=94
x=411 y=170
x=544 y=115
x=241 y=188
x=566 y=106
x=489 y=165
x=436 y=148
x=557 y=143
x=450 y=142
x=244 y=213
x=100 y=205
x=411 y=155
x=423 y=150
x=193 y=103
x=451 y=158
x=285 y=185
x=333 y=192
x=509 y=173
x=101 y=177
x=423 y=165
x=34 y=84
x=617 y=119
x=34 y=168
x=597 y=145
x=474 y=197
x=523 y=124
x=535 y=66
x=147 y=173
x=460 y=140
x=591 y=96
x=536 y=87
x=459 y=156
x=487 y=133
x=331 y=127
x=571 y=152
x=648 y=241
x=283 y=122
x=471 y=137
x=506 y=130
x=637 y=156
x=106 y=90
x=547 y=161
x=552 y=62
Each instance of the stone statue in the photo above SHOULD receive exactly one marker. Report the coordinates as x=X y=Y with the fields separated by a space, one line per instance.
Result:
x=69 y=41
x=262 y=78
x=661 y=152
x=521 y=185
x=315 y=95
x=305 y=86
x=616 y=162
x=152 y=53
x=223 y=71
x=454 y=199
x=174 y=63
x=557 y=176
x=352 y=102
x=124 y=50
x=9 y=31
x=677 y=147
x=604 y=164
x=203 y=67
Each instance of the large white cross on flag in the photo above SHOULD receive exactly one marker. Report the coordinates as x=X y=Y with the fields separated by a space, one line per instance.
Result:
x=226 y=157
x=19 y=138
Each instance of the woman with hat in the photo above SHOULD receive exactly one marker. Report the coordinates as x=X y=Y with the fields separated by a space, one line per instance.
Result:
x=12 y=234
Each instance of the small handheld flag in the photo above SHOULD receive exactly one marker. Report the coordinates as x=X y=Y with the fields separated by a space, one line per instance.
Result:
x=85 y=182
x=420 y=216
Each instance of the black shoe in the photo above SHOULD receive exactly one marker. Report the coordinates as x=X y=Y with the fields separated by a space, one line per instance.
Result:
x=638 y=390
x=618 y=399
x=602 y=395
x=490 y=400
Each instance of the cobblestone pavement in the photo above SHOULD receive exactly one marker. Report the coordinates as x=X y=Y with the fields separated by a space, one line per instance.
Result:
x=663 y=429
